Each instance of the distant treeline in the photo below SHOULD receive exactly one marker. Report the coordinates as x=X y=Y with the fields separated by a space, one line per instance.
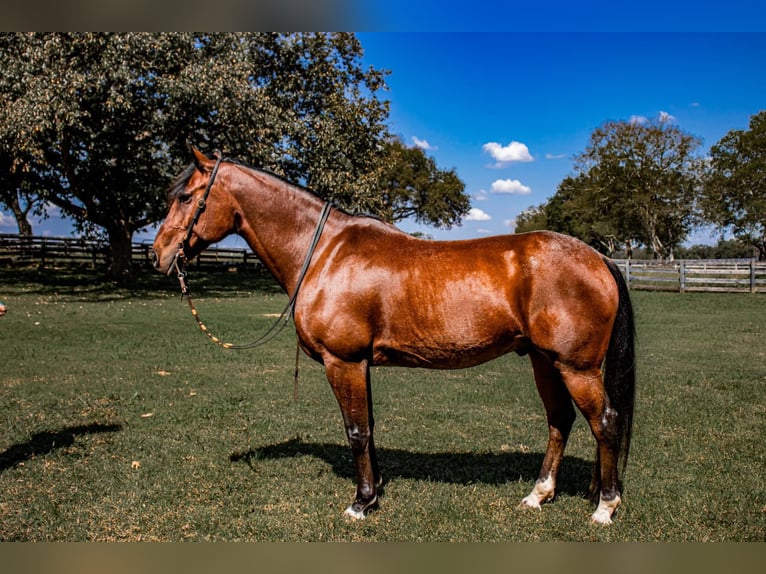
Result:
x=724 y=249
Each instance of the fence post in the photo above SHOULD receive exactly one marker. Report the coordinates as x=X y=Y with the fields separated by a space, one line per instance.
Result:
x=752 y=275
x=682 y=275
x=627 y=272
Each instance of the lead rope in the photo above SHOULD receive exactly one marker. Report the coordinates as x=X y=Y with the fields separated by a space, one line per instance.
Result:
x=287 y=312
x=295 y=379
x=261 y=341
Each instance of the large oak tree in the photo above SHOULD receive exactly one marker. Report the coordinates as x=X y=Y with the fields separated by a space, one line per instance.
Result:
x=735 y=186
x=98 y=123
x=635 y=183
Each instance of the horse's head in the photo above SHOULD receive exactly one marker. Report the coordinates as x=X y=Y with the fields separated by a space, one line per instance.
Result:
x=216 y=218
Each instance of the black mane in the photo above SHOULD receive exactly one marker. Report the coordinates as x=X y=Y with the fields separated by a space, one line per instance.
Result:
x=178 y=185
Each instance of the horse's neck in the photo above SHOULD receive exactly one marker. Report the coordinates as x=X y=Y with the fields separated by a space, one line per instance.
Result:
x=279 y=221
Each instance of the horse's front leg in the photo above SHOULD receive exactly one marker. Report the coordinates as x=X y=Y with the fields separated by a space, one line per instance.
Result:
x=351 y=384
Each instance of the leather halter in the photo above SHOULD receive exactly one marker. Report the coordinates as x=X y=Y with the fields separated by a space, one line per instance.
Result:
x=179 y=263
x=201 y=204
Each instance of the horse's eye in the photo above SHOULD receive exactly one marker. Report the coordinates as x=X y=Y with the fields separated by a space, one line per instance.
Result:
x=185 y=197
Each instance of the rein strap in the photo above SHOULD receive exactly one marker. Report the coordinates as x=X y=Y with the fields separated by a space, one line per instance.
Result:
x=289 y=309
x=203 y=200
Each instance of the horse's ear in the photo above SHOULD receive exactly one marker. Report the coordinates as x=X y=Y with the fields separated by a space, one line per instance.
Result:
x=201 y=161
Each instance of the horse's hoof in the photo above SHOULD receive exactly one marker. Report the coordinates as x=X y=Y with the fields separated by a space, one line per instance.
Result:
x=354 y=514
x=543 y=491
x=358 y=510
x=531 y=502
x=602 y=518
x=606 y=508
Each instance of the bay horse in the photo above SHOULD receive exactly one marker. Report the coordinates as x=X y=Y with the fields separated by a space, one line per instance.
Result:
x=374 y=295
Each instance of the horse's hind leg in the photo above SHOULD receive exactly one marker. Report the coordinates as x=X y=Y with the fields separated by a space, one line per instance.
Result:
x=561 y=416
x=587 y=391
x=350 y=383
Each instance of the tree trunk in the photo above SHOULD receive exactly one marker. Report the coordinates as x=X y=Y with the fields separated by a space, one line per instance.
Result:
x=25 y=228
x=121 y=251
x=656 y=245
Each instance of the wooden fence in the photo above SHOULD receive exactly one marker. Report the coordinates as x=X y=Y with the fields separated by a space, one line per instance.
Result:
x=63 y=251
x=725 y=275
x=729 y=275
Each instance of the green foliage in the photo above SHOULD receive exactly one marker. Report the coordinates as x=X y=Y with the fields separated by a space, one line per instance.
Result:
x=735 y=187
x=644 y=177
x=636 y=183
x=572 y=210
x=411 y=185
x=19 y=192
x=119 y=421
x=533 y=219
x=723 y=249
x=102 y=120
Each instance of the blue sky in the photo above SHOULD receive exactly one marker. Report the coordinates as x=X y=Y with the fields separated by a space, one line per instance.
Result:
x=537 y=97
x=557 y=15
x=476 y=101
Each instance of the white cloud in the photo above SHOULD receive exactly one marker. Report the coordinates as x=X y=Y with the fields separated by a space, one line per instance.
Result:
x=511 y=186
x=422 y=144
x=666 y=117
x=555 y=156
x=476 y=214
x=7 y=220
x=661 y=116
x=510 y=223
x=481 y=195
x=514 y=151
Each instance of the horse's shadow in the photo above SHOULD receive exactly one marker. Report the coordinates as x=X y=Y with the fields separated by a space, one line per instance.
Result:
x=47 y=441
x=448 y=467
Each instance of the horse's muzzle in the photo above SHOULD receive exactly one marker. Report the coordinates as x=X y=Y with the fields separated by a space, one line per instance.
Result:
x=162 y=265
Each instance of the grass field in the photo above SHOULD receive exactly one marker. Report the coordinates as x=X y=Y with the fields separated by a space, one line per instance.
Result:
x=120 y=421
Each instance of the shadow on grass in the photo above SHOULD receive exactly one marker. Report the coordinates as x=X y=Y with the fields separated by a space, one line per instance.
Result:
x=47 y=441
x=449 y=467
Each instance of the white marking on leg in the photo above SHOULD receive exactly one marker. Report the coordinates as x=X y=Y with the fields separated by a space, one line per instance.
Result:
x=543 y=490
x=606 y=508
x=355 y=514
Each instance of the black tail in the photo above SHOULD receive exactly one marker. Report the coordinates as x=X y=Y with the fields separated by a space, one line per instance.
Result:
x=620 y=365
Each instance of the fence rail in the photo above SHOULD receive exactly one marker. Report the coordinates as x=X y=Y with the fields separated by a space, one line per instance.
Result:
x=726 y=275
x=55 y=251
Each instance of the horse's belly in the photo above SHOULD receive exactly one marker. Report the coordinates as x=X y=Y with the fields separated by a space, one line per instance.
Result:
x=446 y=352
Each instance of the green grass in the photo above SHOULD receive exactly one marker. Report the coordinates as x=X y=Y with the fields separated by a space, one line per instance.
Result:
x=120 y=421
